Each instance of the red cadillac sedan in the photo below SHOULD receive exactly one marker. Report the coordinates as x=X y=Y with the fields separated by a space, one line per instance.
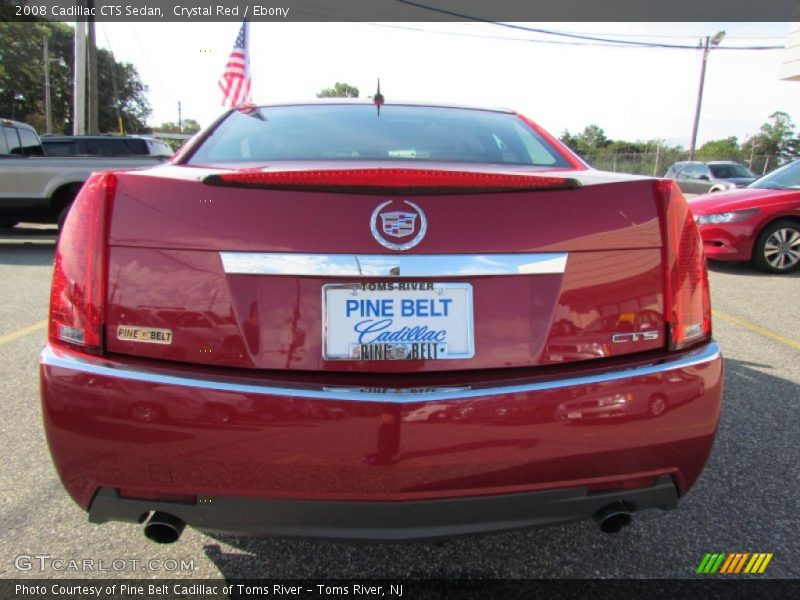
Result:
x=760 y=223
x=330 y=321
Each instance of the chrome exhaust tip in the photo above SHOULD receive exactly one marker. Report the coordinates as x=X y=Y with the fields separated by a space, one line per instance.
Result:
x=613 y=518
x=163 y=528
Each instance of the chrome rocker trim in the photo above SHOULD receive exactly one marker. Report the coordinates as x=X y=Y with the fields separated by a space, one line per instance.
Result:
x=51 y=357
x=390 y=265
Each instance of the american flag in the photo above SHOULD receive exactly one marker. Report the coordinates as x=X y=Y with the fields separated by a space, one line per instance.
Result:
x=235 y=81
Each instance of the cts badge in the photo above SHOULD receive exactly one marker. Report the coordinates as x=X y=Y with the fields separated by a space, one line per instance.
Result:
x=638 y=336
x=407 y=227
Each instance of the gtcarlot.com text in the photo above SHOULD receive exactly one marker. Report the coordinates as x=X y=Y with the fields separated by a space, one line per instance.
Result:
x=47 y=562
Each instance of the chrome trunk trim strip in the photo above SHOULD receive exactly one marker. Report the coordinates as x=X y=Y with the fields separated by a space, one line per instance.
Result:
x=390 y=265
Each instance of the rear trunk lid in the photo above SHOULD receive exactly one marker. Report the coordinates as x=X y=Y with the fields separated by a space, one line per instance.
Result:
x=343 y=280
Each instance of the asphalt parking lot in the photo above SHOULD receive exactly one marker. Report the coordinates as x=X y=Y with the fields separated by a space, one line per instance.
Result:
x=747 y=500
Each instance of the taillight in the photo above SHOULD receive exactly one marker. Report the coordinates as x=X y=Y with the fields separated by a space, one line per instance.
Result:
x=77 y=298
x=381 y=180
x=687 y=302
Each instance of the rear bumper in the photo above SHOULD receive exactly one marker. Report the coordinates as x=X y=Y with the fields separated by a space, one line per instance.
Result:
x=262 y=455
x=387 y=521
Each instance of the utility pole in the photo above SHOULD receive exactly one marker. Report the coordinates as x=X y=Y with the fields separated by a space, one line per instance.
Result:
x=180 y=121
x=48 y=117
x=93 y=121
x=658 y=149
x=79 y=90
x=707 y=45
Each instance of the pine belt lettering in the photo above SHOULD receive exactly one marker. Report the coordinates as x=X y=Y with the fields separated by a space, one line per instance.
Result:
x=380 y=337
x=381 y=329
x=149 y=335
x=413 y=351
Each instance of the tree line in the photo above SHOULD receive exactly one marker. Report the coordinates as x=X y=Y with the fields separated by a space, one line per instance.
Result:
x=22 y=94
x=776 y=143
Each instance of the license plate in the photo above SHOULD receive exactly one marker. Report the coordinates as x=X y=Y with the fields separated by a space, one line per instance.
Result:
x=400 y=320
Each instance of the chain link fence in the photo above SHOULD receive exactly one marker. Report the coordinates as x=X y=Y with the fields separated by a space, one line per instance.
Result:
x=656 y=162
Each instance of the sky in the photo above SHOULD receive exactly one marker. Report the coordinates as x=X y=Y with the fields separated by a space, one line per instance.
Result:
x=632 y=93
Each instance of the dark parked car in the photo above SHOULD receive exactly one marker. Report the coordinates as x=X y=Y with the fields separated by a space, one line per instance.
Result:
x=329 y=317
x=104 y=145
x=18 y=139
x=700 y=177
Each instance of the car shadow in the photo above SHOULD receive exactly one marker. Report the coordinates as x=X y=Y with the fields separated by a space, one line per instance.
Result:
x=28 y=244
x=743 y=268
x=26 y=253
x=750 y=479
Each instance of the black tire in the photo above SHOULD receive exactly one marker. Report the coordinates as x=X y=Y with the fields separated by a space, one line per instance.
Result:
x=62 y=216
x=7 y=223
x=62 y=201
x=777 y=248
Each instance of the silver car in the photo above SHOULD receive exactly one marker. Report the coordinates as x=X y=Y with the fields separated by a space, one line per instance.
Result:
x=695 y=177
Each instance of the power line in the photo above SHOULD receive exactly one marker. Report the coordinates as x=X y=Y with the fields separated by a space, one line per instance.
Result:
x=685 y=36
x=113 y=77
x=147 y=58
x=576 y=35
x=522 y=39
x=486 y=36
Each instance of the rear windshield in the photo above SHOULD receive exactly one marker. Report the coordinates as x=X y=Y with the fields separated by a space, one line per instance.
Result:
x=53 y=148
x=358 y=132
x=730 y=171
x=116 y=147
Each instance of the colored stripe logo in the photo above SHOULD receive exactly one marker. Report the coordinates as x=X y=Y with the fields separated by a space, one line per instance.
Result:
x=734 y=563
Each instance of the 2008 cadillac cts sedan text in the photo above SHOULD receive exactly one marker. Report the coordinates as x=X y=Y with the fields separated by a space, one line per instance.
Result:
x=378 y=322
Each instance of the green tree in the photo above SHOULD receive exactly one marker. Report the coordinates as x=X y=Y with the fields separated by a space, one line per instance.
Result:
x=128 y=95
x=188 y=126
x=592 y=138
x=776 y=138
x=724 y=149
x=339 y=90
x=623 y=147
x=22 y=80
x=571 y=141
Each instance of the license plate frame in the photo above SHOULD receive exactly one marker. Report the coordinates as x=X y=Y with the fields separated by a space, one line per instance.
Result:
x=400 y=289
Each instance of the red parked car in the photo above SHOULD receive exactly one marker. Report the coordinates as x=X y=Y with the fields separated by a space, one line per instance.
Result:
x=760 y=223
x=253 y=337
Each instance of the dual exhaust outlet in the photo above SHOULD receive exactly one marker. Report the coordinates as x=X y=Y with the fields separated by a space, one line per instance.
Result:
x=164 y=528
x=613 y=517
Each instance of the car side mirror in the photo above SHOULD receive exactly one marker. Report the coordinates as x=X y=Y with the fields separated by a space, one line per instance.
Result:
x=703 y=177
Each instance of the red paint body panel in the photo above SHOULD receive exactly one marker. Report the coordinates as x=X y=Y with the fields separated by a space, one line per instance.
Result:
x=165 y=273
x=157 y=212
x=735 y=241
x=273 y=322
x=107 y=431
